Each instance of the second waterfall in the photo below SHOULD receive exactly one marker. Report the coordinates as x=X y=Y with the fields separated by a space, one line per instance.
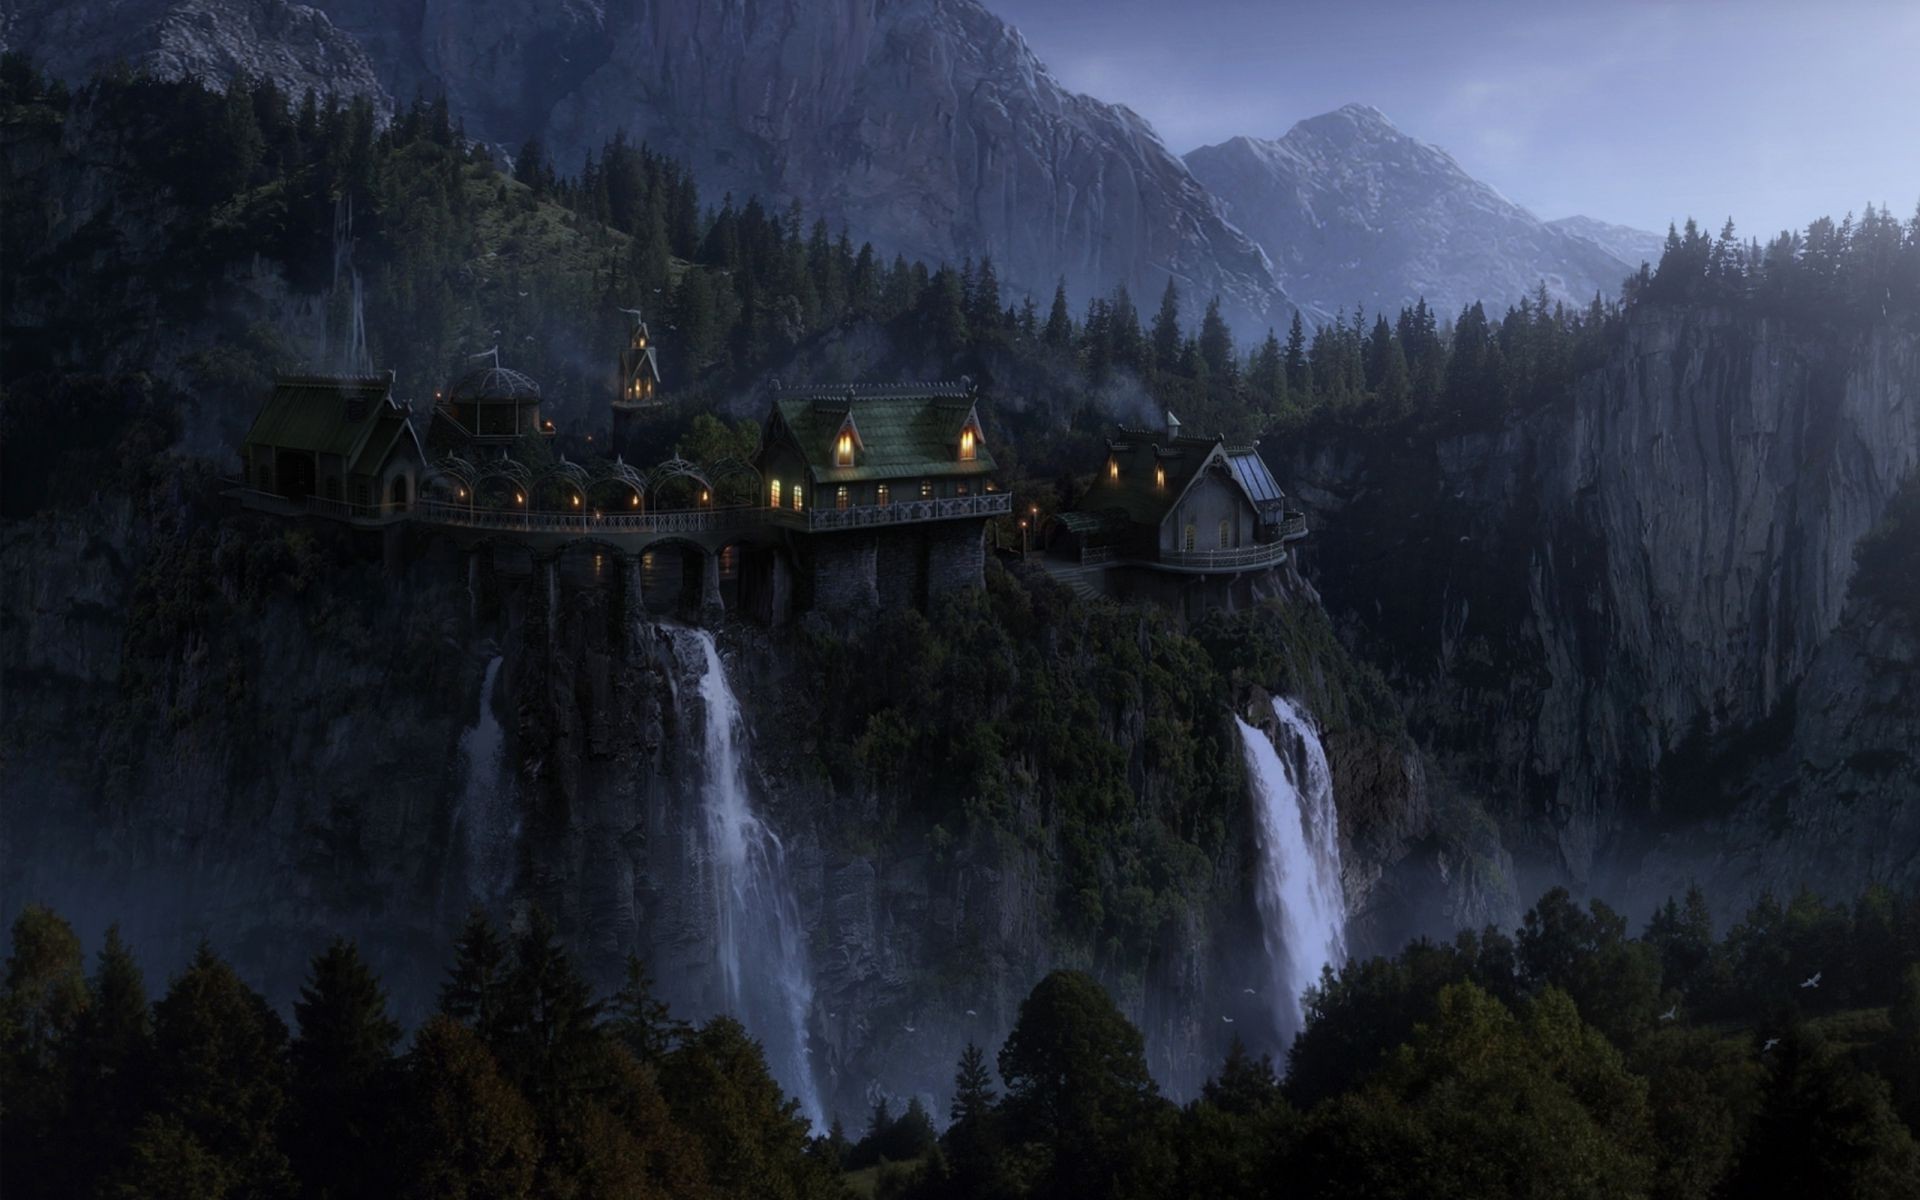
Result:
x=759 y=942
x=1303 y=912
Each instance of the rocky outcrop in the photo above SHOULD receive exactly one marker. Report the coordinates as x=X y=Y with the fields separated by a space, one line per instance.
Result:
x=1631 y=246
x=1578 y=602
x=294 y=45
x=1353 y=211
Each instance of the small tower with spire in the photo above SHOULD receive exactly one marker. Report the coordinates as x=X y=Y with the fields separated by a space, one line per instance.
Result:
x=639 y=367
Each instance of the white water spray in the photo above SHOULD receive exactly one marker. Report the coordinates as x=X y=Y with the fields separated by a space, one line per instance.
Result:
x=758 y=939
x=486 y=816
x=1303 y=911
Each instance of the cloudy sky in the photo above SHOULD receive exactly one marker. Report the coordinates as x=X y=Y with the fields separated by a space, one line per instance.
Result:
x=1635 y=112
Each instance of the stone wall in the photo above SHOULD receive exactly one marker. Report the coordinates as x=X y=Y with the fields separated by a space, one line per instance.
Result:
x=843 y=574
x=956 y=556
x=900 y=568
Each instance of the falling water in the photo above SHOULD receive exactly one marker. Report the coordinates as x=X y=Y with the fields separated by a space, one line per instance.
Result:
x=757 y=932
x=1296 y=828
x=486 y=816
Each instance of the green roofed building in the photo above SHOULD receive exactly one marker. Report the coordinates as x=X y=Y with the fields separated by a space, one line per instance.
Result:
x=336 y=444
x=890 y=484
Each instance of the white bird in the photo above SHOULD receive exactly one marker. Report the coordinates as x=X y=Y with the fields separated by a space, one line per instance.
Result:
x=1249 y=991
x=1771 y=1043
x=1226 y=1018
x=1812 y=980
x=523 y=293
x=1671 y=1013
x=971 y=1013
x=908 y=1028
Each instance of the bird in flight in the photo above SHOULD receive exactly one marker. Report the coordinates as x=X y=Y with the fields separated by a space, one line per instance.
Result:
x=1671 y=1013
x=1226 y=1018
x=1250 y=991
x=971 y=1013
x=1812 y=980
x=1771 y=1043
x=909 y=1028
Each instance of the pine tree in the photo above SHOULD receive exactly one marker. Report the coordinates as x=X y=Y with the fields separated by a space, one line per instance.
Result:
x=1268 y=374
x=465 y=1131
x=973 y=1094
x=640 y=1019
x=1299 y=377
x=475 y=992
x=41 y=1011
x=1166 y=330
x=344 y=1076
x=1059 y=329
x=112 y=1055
x=1216 y=343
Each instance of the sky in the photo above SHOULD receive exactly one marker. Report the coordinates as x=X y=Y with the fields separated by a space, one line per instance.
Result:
x=1638 y=113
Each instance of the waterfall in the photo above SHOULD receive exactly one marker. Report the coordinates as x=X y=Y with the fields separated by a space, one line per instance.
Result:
x=757 y=936
x=1303 y=912
x=486 y=816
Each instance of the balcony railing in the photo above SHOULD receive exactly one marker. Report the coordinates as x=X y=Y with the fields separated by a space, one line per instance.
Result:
x=690 y=520
x=1292 y=528
x=320 y=506
x=866 y=516
x=1262 y=554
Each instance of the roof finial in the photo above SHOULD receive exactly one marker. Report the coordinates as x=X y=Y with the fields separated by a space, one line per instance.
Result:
x=1173 y=426
x=494 y=354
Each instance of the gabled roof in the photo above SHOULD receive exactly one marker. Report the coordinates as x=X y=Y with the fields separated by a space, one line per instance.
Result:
x=1255 y=479
x=904 y=430
x=494 y=384
x=349 y=416
x=1135 y=492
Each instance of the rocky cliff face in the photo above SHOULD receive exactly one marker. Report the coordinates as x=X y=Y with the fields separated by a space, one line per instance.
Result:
x=925 y=126
x=1353 y=211
x=1590 y=604
x=295 y=45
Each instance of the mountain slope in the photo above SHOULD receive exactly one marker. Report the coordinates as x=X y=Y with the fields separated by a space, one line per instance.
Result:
x=1353 y=211
x=295 y=45
x=1629 y=245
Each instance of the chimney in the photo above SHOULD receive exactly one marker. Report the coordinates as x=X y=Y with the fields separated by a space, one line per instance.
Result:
x=1173 y=426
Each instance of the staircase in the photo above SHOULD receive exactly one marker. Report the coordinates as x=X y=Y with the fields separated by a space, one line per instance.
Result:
x=1086 y=581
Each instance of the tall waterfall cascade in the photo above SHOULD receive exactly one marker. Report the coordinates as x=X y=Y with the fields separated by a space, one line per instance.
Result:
x=759 y=942
x=1296 y=828
x=486 y=820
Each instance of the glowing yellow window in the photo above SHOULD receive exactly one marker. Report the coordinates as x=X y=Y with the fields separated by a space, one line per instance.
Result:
x=840 y=496
x=1113 y=470
x=1226 y=534
x=884 y=495
x=843 y=451
x=773 y=492
x=926 y=489
x=796 y=497
x=966 y=445
x=1159 y=475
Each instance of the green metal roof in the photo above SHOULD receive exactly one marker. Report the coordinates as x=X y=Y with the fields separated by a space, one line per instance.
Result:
x=1136 y=492
x=903 y=430
x=314 y=413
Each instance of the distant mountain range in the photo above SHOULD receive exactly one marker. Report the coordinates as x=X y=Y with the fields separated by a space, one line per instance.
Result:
x=1353 y=211
x=926 y=126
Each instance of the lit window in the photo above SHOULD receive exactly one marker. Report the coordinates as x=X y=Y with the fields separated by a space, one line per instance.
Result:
x=796 y=497
x=884 y=495
x=1226 y=534
x=960 y=488
x=840 y=496
x=1192 y=540
x=966 y=445
x=774 y=493
x=1113 y=470
x=1159 y=476
x=926 y=489
x=843 y=451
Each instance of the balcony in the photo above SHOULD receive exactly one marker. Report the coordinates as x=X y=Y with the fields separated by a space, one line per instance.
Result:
x=904 y=512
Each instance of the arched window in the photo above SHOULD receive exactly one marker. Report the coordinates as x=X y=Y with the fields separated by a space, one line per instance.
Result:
x=1226 y=533
x=773 y=494
x=1192 y=540
x=884 y=496
x=843 y=451
x=840 y=496
x=926 y=489
x=966 y=445
x=1159 y=475
x=1113 y=470
x=796 y=497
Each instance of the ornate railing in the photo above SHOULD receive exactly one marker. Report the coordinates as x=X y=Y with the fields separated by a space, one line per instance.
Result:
x=320 y=506
x=692 y=520
x=1261 y=554
x=864 y=516
x=1292 y=527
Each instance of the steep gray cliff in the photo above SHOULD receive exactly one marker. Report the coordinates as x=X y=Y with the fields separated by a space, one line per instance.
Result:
x=1592 y=601
x=1353 y=211
x=295 y=45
